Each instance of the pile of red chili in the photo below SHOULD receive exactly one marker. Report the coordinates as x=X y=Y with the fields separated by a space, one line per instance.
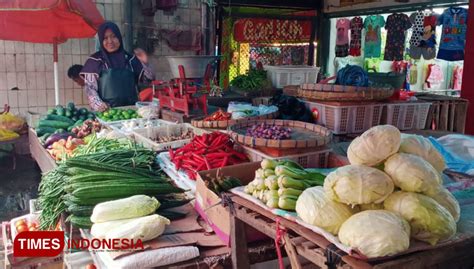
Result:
x=205 y=152
x=218 y=115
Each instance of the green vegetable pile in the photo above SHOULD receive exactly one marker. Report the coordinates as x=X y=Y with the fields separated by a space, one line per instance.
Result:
x=218 y=184
x=280 y=183
x=83 y=181
x=62 y=119
x=254 y=80
x=115 y=114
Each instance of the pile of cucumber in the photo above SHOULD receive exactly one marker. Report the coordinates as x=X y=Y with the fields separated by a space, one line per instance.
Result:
x=61 y=120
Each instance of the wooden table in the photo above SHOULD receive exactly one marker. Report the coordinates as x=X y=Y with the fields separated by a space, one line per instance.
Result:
x=41 y=156
x=300 y=241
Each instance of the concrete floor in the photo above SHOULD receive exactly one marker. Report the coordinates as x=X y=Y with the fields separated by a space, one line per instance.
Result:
x=17 y=186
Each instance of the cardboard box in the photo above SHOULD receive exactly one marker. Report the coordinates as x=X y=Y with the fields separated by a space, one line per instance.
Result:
x=208 y=203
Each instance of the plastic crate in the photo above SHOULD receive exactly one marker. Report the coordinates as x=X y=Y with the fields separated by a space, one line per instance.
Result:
x=316 y=159
x=285 y=75
x=145 y=136
x=347 y=119
x=406 y=116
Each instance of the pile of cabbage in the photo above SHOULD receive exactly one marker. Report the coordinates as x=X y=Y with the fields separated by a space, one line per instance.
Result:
x=391 y=191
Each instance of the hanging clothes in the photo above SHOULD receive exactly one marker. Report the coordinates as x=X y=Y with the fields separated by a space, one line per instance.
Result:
x=397 y=25
x=342 y=37
x=427 y=46
x=356 y=36
x=434 y=77
x=372 y=25
x=416 y=20
x=180 y=40
x=457 y=77
x=453 y=38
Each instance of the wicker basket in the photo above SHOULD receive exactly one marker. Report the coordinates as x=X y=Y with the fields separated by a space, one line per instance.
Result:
x=224 y=124
x=307 y=135
x=331 y=92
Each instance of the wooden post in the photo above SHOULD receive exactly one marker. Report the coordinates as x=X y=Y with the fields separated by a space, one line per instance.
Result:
x=291 y=252
x=467 y=91
x=238 y=241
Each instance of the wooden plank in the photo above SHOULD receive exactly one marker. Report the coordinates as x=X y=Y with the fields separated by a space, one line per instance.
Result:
x=436 y=116
x=460 y=117
x=239 y=251
x=443 y=117
x=41 y=156
x=433 y=258
x=291 y=252
x=452 y=108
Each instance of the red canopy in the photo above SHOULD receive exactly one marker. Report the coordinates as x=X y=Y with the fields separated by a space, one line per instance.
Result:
x=48 y=21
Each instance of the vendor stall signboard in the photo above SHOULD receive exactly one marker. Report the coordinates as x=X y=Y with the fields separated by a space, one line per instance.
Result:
x=271 y=30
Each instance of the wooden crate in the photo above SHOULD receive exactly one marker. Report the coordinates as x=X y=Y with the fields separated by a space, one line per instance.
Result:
x=41 y=156
x=446 y=113
x=301 y=241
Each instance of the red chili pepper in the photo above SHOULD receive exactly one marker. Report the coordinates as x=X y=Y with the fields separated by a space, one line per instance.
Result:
x=208 y=166
x=218 y=155
x=224 y=162
x=201 y=167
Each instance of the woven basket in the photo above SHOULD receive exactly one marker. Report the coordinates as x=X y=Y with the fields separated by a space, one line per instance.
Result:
x=307 y=135
x=331 y=92
x=223 y=124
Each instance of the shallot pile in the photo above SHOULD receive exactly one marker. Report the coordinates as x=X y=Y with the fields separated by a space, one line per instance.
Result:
x=268 y=131
x=88 y=127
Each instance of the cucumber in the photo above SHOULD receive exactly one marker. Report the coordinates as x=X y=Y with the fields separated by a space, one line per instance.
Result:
x=81 y=222
x=80 y=210
x=59 y=118
x=54 y=124
x=40 y=131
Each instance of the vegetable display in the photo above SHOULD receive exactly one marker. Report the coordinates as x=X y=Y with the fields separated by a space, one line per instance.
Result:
x=253 y=80
x=183 y=134
x=430 y=222
x=268 y=131
x=61 y=119
x=314 y=207
x=278 y=184
x=128 y=218
x=376 y=233
x=62 y=148
x=91 y=178
x=115 y=114
x=218 y=115
x=85 y=128
x=422 y=209
x=205 y=152
x=358 y=184
x=422 y=147
x=219 y=184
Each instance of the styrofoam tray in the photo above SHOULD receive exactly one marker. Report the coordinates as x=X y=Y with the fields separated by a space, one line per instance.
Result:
x=179 y=177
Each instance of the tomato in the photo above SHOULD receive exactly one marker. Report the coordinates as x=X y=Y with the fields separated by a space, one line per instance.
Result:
x=32 y=225
x=32 y=229
x=21 y=228
x=91 y=266
x=20 y=222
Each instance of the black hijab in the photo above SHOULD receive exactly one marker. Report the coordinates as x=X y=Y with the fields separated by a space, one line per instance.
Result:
x=104 y=60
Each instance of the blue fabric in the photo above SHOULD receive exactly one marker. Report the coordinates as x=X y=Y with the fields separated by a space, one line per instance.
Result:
x=453 y=161
x=352 y=75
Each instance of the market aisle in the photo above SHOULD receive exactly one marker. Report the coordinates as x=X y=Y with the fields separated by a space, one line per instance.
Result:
x=18 y=186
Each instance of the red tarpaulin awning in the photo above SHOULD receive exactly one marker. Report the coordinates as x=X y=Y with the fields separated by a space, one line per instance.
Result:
x=48 y=21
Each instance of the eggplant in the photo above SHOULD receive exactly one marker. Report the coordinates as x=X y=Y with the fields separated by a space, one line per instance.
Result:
x=56 y=137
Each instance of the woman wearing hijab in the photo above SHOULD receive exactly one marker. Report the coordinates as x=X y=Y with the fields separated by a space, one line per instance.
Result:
x=111 y=75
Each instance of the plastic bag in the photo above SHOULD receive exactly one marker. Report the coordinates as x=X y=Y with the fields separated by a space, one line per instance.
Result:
x=6 y=135
x=10 y=122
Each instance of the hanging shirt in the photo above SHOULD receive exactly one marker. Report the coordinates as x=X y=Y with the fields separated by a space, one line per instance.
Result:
x=453 y=37
x=397 y=25
x=372 y=25
x=356 y=36
x=342 y=26
x=416 y=20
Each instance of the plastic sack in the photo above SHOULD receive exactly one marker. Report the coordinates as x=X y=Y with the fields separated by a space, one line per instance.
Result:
x=263 y=109
x=457 y=151
x=242 y=110
x=6 y=135
x=10 y=122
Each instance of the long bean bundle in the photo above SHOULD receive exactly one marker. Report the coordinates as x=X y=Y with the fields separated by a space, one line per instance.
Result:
x=50 y=193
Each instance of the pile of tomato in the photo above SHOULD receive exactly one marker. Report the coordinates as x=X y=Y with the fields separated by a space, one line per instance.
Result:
x=23 y=225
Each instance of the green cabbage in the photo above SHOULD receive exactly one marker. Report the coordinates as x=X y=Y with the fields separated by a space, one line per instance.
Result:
x=448 y=201
x=372 y=206
x=421 y=146
x=314 y=208
x=376 y=233
x=131 y=207
x=374 y=146
x=412 y=173
x=358 y=184
x=429 y=221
